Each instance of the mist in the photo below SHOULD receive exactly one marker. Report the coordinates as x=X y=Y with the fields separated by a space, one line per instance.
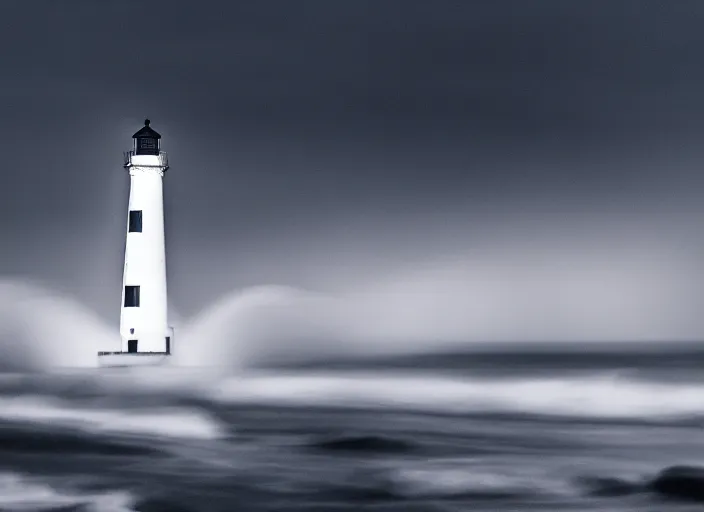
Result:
x=399 y=186
x=565 y=290
x=575 y=292
x=418 y=253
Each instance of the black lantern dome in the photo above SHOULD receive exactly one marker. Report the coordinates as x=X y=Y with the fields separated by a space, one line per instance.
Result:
x=146 y=140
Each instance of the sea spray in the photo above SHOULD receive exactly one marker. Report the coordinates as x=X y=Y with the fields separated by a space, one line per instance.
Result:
x=41 y=329
x=458 y=304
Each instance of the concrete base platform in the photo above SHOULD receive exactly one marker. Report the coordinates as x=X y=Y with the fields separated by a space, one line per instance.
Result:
x=117 y=359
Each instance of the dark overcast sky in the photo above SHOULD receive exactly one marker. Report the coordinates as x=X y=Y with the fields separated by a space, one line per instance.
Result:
x=324 y=143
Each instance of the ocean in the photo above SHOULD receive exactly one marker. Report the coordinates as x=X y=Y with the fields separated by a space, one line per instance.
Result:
x=504 y=431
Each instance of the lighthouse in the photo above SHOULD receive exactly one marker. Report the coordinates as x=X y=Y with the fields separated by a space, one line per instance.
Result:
x=146 y=338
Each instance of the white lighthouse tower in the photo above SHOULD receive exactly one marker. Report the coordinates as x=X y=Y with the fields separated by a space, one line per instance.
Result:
x=146 y=337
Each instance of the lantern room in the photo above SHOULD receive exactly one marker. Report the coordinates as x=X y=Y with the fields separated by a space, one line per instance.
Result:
x=146 y=140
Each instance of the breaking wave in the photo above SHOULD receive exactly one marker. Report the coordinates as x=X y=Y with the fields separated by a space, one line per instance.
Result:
x=163 y=394
x=162 y=412
x=19 y=492
x=608 y=397
x=442 y=482
x=41 y=329
x=159 y=422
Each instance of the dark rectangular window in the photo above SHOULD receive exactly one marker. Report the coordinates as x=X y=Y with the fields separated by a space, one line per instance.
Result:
x=131 y=296
x=168 y=344
x=131 y=346
x=135 y=221
x=147 y=146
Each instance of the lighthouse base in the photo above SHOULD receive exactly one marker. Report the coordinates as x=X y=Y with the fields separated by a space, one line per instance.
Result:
x=118 y=359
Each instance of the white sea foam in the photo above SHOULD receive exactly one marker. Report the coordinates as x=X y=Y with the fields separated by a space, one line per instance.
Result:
x=598 y=396
x=162 y=422
x=607 y=395
x=437 y=480
x=20 y=493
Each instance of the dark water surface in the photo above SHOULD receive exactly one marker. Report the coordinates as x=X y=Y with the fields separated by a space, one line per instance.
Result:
x=431 y=433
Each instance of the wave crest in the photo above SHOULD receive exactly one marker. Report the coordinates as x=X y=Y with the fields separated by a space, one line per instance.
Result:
x=18 y=492
x=157 y=422
x=596 y=397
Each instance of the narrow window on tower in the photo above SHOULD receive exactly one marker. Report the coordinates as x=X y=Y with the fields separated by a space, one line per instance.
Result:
x=131 y=296
x=135 y=221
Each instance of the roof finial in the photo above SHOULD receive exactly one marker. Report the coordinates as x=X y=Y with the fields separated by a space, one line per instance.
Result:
x=146 y=122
